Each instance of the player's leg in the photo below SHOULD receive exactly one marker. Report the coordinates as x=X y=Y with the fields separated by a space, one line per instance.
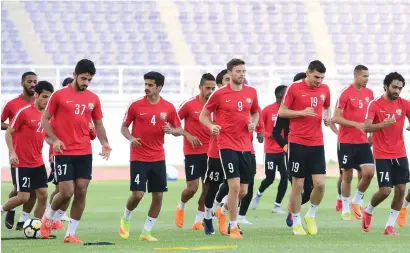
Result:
x=230 y=165
x=138 y=181
x=23 y=188
x=9 y=220
x=39 y=185
x=363 y=157
x=402 y=219
x=283 y=185
x=400 y=176
x=339 y=191
x=200 y=213
x=346 y=156
x=214 y=178
x=221 y=194
x=61 y=214
x=270 y=170
x=384 y=179
x=317 y=167
x=245 y=201
x=297 y=161
x=157 y=185
x=307 y=189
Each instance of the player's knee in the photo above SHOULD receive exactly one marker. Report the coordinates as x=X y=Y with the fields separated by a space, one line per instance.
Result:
x=367 y=172
x=399 y=190
x=23 y=197
x=42 y=195
x=137 y=195
x=269 y=180
x=385 y=191
x=192 y=188
x=320 y=186
x=157 y=197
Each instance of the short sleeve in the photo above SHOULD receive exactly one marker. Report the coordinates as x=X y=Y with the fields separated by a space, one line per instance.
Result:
x=327 y=100
x=182 y=111
x=371 y=112
x=289 y=96
x=173 y=118
x=18 y=120
x=97 y=111
x=255 y=103
x=130 y=114
x=5 y=113
x=213 y=102
x=52 y=104
x=342 y=101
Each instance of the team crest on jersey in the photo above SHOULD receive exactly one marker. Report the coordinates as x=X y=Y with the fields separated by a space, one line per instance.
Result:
x=249 y=101
x=398 y=112
x=163 y=116
x=322 y=97
x=90 y=106
x=367 y=99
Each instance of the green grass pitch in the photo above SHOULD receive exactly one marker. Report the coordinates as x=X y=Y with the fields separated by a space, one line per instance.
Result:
x=268 y=233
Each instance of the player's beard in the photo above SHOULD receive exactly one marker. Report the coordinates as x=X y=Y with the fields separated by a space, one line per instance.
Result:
x=28 y=91
x=392 y=95
x=236 y=81
x=80 y=88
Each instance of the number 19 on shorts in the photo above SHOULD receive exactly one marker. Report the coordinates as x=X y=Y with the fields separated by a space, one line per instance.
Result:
x=295 y=167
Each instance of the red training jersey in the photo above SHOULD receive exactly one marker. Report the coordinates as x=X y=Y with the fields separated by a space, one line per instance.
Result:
x=269 y=116
x=213 y=151
x=354 y=104
x=232 y=112
x=190 y=111
x=388 y=143
x=147 y=124
x=11 y=108
x=306 y=130
x=72 y=112
x=29 y=137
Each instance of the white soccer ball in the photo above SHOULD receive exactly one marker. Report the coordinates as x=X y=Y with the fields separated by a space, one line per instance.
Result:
x=31 y=228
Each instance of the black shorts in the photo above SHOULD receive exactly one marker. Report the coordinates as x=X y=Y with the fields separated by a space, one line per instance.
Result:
x=195 y=166
x=274 y=162
x=214 y=172
x=153 y=174
x=237 y=164
x=28 y=179
x=253 y=166
x=72 y=167
x=391 y=172
x=306 y=160
x=13 y=175
x=52 y=178
x=352 y=156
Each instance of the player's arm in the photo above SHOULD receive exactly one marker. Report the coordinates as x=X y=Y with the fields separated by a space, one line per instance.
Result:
x=125 y=131
x=285 y=112
x=9 y=139
x=101 y=133
x=48 y=141
x=333 y=127
x=369 y=127
x=4 y=125
x=45 y=123
x=339 y=119
x=4 y=116
x=281 y=124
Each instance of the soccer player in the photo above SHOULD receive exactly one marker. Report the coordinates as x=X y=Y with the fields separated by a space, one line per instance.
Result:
x=275 y=158
x=25 y=151
x=385 y=119
x=304 y=103
x=402 y=219
x=353 y=143
x=28 y=82
x=152 y=117
x=214 y=173
x=235 y=107
x=196 y=143
x=73 y=108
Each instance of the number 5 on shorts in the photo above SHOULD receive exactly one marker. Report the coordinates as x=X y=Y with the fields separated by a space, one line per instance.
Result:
x=62 y=169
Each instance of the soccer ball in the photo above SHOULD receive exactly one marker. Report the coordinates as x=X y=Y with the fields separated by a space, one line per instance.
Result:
x=31 y=228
